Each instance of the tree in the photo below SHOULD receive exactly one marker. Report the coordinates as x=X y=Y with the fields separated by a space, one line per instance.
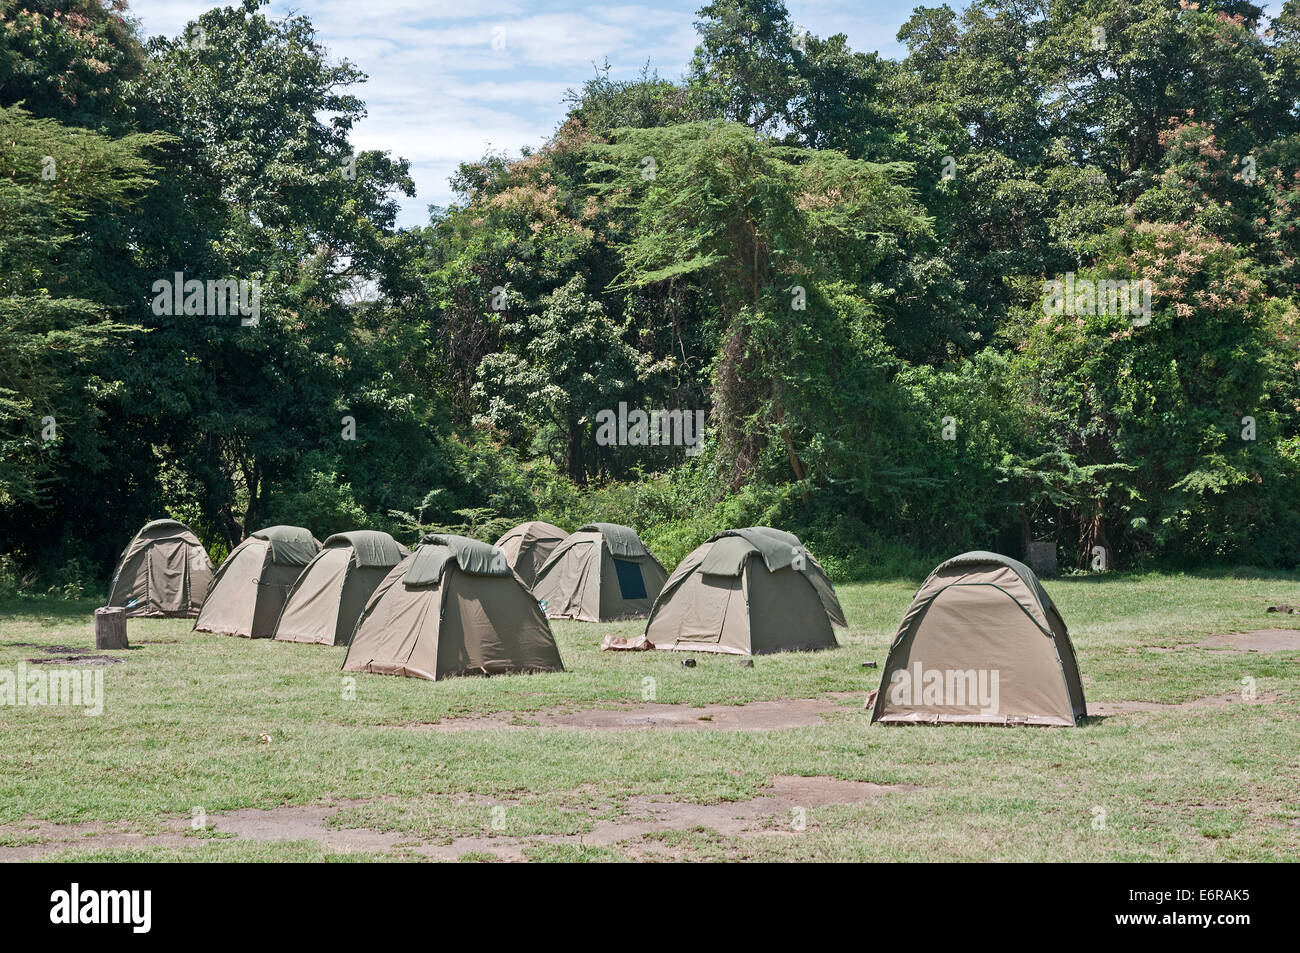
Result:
x=1157 y=418
x=69 y=60
x=564 y=365
x=757 y=225
x=525 y=229
x=52 y=334
x=744 y=69
x=268 y=188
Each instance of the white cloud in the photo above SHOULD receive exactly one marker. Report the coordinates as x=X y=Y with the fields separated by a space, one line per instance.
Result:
x=167 y=18
x=439 y=94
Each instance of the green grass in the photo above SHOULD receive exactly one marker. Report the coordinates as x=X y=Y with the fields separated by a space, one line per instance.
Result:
x=185 y=715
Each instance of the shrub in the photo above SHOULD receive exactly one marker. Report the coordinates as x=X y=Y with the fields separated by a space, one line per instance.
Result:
x=321 y=503
x=10 y=579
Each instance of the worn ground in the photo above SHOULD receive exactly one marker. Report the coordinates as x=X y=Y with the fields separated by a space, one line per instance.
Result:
x=212 y=747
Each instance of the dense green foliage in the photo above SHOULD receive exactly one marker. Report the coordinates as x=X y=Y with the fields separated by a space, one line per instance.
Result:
x=1038 y=279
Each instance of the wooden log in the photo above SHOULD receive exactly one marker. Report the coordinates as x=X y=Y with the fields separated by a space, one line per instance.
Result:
x=110 y=628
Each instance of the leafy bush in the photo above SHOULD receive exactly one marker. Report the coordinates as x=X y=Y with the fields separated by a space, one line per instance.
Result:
x=321 y=503
x=10 y=578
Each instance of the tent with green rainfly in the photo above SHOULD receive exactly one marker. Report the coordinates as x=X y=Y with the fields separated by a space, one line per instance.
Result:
x=529 y=545
x=453 y=607
x=251 y=587
x=746 y=592
x=982 y=642
x=164 y=571
x=325 y=602
x=601 y=573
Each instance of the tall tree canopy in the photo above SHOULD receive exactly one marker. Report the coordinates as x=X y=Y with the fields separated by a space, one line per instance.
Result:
x=1036 y=278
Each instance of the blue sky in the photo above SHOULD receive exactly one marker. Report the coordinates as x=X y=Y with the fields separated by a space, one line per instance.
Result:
x=439 y=92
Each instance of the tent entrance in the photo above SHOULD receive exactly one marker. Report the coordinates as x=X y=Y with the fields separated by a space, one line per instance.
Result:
x=631 y=584
x=169 y=576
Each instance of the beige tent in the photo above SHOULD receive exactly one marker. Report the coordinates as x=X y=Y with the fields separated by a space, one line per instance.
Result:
x=251 y=586
x=528 y=546
x=746 y=591
x=324 y=604
x=601 y=573
x=982 y=643
x=453 y=607
x=165 y=571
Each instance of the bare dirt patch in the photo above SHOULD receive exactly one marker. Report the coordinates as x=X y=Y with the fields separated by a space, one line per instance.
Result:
x=756 y=716
x=786 y=805
x=1103 y=709
x=1260 y=640
x=64 y=654
x=786 y=794
x=277 y=824
x=302 y=823
x=772 y=813
x=47 y=838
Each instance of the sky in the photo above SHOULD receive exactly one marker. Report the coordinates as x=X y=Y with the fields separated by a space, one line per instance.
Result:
x=450 y=80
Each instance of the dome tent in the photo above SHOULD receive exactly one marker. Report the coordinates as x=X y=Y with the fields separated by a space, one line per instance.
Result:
x=327 y=599
x=251 y=586
x=982 y=642
x=164 y=571
x=453 y=607
x=529 y=545
x=746 y=592
x=601 y=573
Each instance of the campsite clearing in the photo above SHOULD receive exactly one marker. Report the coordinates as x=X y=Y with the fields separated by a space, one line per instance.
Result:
x=281 y=756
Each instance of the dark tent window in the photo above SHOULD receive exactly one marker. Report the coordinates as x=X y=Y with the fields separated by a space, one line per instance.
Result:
x=630 y=581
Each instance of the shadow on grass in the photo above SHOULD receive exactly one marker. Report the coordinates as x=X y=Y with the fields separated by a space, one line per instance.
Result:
x=861 y=575
x=52 y=606
x=70 y=651
x=1251 y=573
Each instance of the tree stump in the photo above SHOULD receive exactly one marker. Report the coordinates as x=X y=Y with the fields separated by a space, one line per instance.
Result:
x=110 y=628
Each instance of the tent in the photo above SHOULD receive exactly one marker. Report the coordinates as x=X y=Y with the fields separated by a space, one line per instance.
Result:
x=453 y=607
x=746 y=592
x=324 y=604
x=981 y=643
x=528 y=545
x=251 y=586
x=164 y=571
x=601 y=573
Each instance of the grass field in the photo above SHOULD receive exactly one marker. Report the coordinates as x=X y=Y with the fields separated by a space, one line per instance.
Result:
x=266 y=746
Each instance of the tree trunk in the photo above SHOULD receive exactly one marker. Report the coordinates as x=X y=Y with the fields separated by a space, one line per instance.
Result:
x=1095 y=537
x=253 y=512
x=573 y=454
x=796 y=465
